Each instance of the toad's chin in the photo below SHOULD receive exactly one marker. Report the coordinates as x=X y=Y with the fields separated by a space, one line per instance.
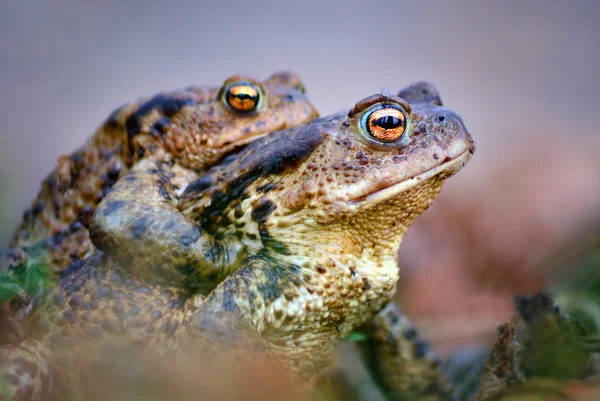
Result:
x=381 y=194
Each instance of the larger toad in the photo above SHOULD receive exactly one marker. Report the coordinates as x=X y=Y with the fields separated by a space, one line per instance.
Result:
x=322 y=210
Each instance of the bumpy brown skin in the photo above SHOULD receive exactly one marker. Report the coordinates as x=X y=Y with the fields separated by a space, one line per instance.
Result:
x=321 y=210
x=187 y=131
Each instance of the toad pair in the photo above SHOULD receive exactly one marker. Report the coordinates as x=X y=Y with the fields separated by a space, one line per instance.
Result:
x=294 y=237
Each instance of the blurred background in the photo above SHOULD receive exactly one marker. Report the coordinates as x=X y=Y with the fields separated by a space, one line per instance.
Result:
x=523 y=75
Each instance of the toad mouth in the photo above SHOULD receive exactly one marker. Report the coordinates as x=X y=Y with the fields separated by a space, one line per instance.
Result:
x=452 y=166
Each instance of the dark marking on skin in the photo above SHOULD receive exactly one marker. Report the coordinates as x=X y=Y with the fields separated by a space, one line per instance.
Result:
x=111 y=177
x=366 y=283
x=199 y=185
x=169 y=225
x=74 y=226
x=410 y=333
x=262 y=160
x=393 y=345
x=58 y=238
x=140 y=226
x=266 y=188
x=273 y=244
x=420 y=349
x=190 y=237
x=275 y=274
x=37 y=208
x=85 y=217
x=113 y=207
x=229 y=159
x=295 y=269
x=180 y=301
x=290 y=97
x=164 y=193
x=269 y=289
x=394 y=318
x=229 y=296
x=113 y=117
x=27 y=215
x=262 y=209
x=213 y=254
x=161 y=125
x=164 y=104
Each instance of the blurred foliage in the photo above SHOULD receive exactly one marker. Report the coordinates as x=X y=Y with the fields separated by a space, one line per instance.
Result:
x=555 y=350
x=579 y=293
x=26 y=276
x=356 y=336
x=4 y=390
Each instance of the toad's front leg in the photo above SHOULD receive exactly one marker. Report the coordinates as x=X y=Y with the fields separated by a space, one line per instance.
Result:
x=399 y=361
x=138 y=224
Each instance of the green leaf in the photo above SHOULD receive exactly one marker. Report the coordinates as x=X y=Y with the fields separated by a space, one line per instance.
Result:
x=356 y=336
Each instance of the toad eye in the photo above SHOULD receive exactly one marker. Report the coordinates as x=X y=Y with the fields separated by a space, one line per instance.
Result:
x=385 y=124
x=243 y=97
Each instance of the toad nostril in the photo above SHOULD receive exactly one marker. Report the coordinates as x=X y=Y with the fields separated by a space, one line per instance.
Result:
x=446 y=119
x=290 y=97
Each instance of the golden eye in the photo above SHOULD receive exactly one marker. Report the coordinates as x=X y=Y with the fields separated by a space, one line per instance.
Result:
x=243 y=97
x=385 y=124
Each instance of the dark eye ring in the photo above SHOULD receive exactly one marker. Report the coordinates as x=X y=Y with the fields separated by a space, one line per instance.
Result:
x=385 y=123
x=243 y=97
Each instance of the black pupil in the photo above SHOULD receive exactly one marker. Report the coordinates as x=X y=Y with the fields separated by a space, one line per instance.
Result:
x=245 y=96
x=388 y=122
